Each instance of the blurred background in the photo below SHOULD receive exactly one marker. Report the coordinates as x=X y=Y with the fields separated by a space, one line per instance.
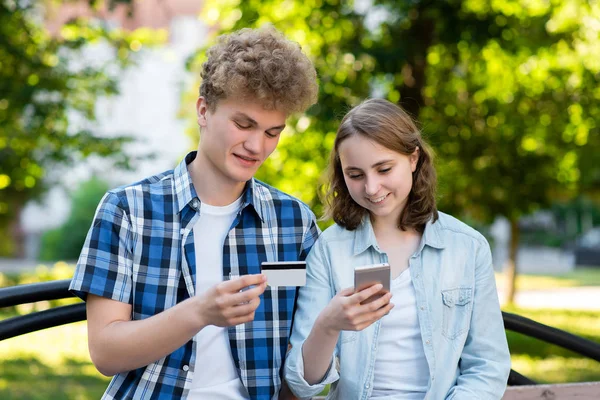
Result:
x=95 y=94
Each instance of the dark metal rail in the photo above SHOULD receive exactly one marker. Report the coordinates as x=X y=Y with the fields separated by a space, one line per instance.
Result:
x=54 y=290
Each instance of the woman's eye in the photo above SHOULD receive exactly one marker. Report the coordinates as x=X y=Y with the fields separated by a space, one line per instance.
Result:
x=355 y=176
x=270 y=135
x=385 y=170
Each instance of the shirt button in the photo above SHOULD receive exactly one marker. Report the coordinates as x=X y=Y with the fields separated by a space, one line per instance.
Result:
x=195 y=204
x=186 y=368
x=428 y=342
x=422 y=308
x=367 y=386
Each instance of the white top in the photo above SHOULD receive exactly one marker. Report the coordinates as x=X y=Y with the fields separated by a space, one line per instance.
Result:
x=215 y=375
x=401 y=370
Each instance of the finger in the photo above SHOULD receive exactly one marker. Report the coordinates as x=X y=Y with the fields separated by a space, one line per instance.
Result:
x=366 y=319
x=242 y=309
x=246 y=295
x=380 y=302
x=346 y=292
x=237 y=284
x=364 y=294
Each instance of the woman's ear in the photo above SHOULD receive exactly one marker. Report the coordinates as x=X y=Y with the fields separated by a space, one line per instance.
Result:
x=414 y=159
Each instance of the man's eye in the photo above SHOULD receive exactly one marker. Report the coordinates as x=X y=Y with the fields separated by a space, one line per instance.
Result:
x=242 y=126
x=271 y=135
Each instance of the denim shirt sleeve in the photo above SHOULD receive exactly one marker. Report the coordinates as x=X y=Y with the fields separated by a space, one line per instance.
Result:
x=312 y=298
x=485 y=359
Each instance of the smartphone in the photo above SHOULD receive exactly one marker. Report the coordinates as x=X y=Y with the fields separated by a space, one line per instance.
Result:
x=284 y=273
x=369 y=275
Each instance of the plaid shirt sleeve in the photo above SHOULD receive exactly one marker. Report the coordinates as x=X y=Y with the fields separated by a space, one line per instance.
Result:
x=105 y=264
x=310 y=236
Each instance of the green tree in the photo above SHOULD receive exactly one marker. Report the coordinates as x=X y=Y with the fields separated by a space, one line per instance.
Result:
x=65 y=242
x=506 y=91
x=43 y=88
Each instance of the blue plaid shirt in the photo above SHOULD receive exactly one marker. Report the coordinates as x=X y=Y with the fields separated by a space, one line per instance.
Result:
x=140 y=251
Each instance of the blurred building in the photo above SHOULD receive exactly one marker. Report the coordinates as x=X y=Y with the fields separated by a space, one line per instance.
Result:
x=147 y=107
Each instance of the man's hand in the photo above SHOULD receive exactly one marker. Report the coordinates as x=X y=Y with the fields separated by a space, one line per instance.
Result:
x=226 y=304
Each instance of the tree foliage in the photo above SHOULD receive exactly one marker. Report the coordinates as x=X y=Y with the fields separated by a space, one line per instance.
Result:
x=506 y=91
x=47 y=99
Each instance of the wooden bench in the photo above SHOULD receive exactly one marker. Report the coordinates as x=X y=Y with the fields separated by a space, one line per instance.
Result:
x=566 y=391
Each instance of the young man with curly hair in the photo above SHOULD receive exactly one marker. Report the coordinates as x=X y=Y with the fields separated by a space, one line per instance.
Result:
x=170 y=270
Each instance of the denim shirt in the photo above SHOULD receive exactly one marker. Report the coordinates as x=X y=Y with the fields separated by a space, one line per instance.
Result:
x=457 y=306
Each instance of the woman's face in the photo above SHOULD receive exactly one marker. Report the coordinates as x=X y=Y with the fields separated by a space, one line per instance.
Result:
x=377 y=178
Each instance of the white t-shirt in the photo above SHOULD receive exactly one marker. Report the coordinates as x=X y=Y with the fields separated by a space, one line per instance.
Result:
x=401 y=370
x=215 y=375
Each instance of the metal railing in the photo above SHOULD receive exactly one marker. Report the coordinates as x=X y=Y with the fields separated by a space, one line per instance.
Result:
x=54 y=290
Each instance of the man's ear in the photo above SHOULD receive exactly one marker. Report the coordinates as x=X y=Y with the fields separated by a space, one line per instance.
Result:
x=414 y=159
x=201 y=111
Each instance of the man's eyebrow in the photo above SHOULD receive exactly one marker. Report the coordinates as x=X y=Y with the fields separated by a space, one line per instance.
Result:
x=246 y=117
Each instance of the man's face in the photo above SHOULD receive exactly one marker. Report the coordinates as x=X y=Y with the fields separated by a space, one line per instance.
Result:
x=237 y=137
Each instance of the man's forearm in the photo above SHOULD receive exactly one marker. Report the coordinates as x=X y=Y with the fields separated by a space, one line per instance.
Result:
x=127 y=345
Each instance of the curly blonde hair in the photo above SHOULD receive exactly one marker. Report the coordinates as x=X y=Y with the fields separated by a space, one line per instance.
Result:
x=391 y=127
x=261 y=65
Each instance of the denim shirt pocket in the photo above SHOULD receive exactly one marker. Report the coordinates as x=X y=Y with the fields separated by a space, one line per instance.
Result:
x=457 y=311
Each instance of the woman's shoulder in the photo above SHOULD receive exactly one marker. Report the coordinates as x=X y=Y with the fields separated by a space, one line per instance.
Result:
x=449 y=225
x=336 y=233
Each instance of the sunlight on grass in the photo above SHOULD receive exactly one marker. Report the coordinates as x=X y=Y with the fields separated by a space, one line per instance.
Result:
x=575 y=278
x=56 y=359
x=557 y=369
x=50 y=346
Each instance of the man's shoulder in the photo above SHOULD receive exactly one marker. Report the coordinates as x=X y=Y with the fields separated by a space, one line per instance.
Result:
x=154 y=186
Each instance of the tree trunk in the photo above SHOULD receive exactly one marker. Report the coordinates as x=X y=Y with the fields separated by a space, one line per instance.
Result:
x=511 y=268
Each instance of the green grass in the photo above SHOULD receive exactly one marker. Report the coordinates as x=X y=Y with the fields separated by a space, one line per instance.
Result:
x=579 y=277
x=547 y=363
x=55 y=363
x=49 y=364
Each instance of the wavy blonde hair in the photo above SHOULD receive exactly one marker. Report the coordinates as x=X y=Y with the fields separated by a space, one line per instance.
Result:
x=391 y=127
x=260 y=65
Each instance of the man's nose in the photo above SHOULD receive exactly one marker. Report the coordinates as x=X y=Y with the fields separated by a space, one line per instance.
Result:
x=254 y=142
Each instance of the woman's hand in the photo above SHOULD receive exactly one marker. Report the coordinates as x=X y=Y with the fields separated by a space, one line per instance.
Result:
x=348 y=311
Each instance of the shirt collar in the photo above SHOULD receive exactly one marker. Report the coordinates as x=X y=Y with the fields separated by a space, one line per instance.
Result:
x=184 y=188
x=252 y=197
x=186 y=194
x=364 y=236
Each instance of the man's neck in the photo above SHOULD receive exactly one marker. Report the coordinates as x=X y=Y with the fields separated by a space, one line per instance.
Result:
x=211 y=186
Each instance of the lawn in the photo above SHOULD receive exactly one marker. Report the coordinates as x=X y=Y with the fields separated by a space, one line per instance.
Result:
x=54 y=364
x=589 y=276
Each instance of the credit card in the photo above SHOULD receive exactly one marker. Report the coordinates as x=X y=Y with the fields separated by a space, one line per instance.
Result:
x=285 y=273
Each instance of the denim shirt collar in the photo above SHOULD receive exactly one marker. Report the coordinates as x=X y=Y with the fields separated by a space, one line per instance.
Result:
x=186 y=194
x=364 y=236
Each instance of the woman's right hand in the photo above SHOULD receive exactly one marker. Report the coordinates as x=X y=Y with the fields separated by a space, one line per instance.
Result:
x=347 y=312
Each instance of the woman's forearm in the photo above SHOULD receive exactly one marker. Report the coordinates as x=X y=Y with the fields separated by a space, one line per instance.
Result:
x=317 y=351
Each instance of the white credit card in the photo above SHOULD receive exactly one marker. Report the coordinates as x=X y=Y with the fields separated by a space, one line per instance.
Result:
x=284 y=273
